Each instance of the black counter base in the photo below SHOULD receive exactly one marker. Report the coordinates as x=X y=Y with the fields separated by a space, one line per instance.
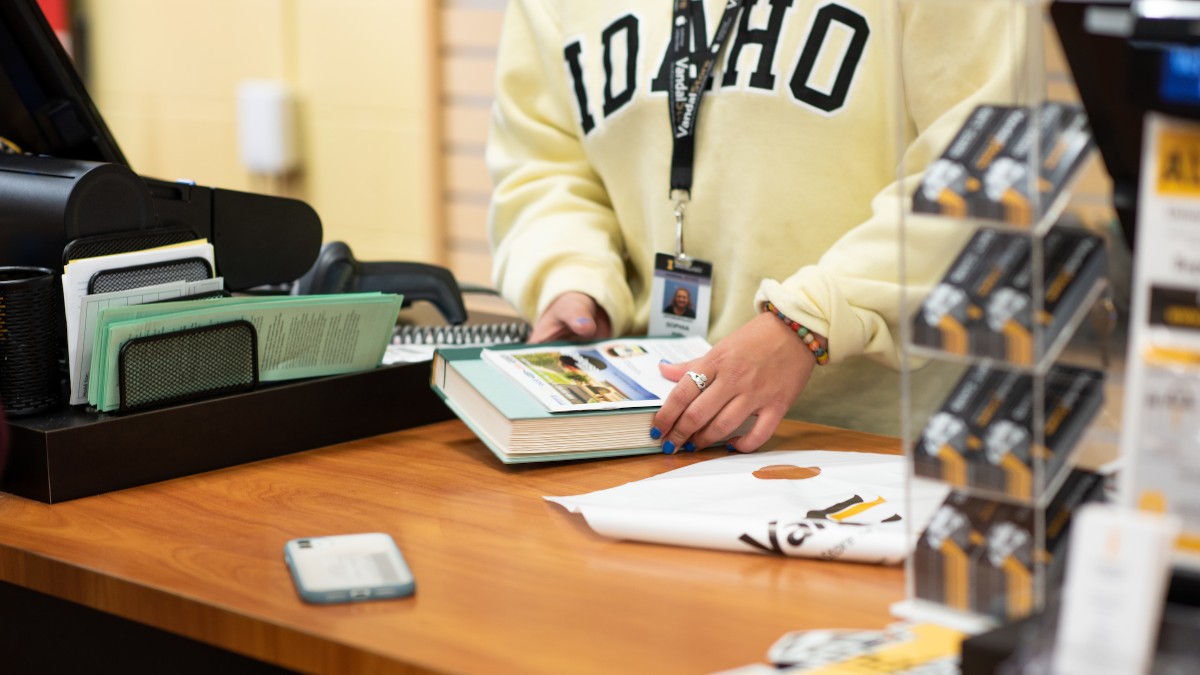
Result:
x=73 y=453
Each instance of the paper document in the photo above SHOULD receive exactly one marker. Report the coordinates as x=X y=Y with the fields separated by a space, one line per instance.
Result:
x=77 y=274
x=298 y=336
x=1119 y=566
x=90 y=306
x=810 y=503
x=621 y=373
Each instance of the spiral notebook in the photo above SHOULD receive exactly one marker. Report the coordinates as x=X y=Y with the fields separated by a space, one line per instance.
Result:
x=421 y=329
x=467 y=334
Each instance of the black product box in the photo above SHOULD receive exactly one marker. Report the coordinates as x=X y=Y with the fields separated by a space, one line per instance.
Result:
x=1010 y=194
x=1000 y=172
x=944 y=554
x=73 y=453
x=953 y=436
x=1008 y=312
x=1074 y=260
x=983 y=305
x=946 y=318
x=985 y=172
x=1006 y=564
x=982 y=434
x=979 y=555
x=1072 y=398
x=952 y=181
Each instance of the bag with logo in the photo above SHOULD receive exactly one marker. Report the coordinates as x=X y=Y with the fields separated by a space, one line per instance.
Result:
x=806 y=503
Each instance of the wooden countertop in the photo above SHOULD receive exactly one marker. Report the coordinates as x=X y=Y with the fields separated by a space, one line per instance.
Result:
x=506 y=581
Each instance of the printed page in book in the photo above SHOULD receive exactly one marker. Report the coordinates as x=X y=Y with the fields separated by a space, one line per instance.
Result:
x=608 y=375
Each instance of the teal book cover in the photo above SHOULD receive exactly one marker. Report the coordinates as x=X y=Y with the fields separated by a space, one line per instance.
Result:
x=518 y=427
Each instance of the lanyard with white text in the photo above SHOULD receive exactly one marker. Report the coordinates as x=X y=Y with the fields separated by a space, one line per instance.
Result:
x=687 y=80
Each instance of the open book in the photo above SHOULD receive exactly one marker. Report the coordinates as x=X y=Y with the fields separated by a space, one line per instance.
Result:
x=604 y=376
x=554 y=402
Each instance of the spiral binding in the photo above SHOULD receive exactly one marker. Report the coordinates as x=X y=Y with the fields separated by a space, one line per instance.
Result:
x=465 y=334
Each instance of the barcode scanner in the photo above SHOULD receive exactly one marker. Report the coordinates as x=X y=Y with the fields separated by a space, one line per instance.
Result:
x=337 y=271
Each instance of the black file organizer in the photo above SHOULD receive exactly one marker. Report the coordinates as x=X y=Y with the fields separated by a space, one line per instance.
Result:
x=169 y=429
x=125 y=278
x=74 y=453
x=188 y=365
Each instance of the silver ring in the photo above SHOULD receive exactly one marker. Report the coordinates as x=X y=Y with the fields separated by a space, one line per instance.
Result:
x=700 y=379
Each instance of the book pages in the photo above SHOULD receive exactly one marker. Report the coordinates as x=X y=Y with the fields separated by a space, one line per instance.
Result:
x=614 y=374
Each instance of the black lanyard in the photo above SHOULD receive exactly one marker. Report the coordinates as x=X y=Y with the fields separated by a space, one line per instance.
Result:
x=687 y=85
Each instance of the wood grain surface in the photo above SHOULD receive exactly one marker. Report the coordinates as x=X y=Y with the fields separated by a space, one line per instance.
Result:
x=506 y=581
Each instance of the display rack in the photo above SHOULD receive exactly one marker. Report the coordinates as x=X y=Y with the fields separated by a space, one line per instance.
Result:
x=1008 y=316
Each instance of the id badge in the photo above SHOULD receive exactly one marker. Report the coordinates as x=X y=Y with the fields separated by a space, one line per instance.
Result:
x=681 y=296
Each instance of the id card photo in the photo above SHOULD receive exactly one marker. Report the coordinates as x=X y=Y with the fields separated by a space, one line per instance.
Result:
x=682 y=297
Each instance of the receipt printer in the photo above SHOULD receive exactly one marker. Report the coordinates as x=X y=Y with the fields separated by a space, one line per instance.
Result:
x=53 y=206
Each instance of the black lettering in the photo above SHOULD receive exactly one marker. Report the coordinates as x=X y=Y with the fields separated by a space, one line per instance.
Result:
x=839 y=550
x=627 y=24
x=572 y=53
x=836 y=98
x=1172 y=170
x=802 y=531
x=767 y=40
x=773 y=539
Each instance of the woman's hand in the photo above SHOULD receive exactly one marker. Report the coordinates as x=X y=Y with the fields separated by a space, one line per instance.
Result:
x=572 y=316
x=760 y=369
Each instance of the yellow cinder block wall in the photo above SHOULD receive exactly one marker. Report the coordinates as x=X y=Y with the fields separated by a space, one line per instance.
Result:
x=165 y=74
x=393 y=104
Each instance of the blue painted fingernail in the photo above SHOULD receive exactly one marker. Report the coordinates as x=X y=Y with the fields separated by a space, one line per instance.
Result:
x=689 y=447
x=668 y=448
x=729 y=447
x=655 y=433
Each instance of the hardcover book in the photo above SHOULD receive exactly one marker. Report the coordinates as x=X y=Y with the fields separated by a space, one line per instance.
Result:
x=558 y=402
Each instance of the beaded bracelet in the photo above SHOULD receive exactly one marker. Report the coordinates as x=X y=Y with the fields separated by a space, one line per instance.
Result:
x=805 y=334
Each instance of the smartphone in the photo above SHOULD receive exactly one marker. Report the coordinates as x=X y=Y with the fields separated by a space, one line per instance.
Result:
x=348 y=567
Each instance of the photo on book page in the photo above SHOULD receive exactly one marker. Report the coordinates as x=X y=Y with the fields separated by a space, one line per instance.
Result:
x=608 y=375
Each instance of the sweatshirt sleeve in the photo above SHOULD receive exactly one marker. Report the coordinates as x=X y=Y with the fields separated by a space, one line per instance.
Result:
x=954 y=56
x=551 y=222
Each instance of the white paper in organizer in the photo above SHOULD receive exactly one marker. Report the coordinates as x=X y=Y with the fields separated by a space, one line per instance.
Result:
x=805 y=503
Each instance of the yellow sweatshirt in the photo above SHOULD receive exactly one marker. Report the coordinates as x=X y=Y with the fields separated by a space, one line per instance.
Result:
x=798 y=151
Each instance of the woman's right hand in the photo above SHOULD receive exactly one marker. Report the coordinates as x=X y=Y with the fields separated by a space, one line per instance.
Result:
x=572 y=316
